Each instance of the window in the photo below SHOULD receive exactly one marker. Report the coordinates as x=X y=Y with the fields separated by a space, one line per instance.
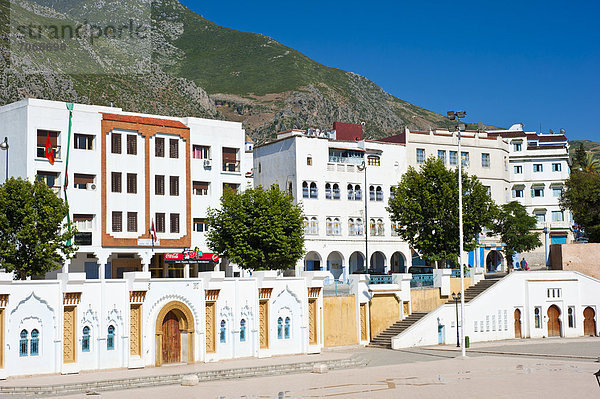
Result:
x=159 y=147
x=328 y=194
x=537 y=316
x=371 y=193
x=231 y=161
x=354 y=192
x=306 y=226
x=42 y=137
x=314 y=226
x=556 y=191
x=243 y=330
x=23 y=343
x=517 y=193
x=132 y=222
x=517 y=147
x=115 y=143
x=200 y=225
x=394 y=229
x=314 y=192
x=131 y=183
x=222 y=333
x=336 y=191
x=83 y=222
x=355 y=227
x=83 y=182
x=420 y=155
x=558 y=216
x=50 y=178
x=442 y=156
x=200 y=152
x=279 y=328
x=115 y=183
x=160 y=223
x=485 y=160
x=309 y=160
x=379 y=230
x=329 y=226
x=174 y=222
x=488 y=190
x=159 y=185
x=554 y=293
x=571 y=316
x=337 y=227
x=392 y=191
x=464 y=156
x=34 y=348
x=556 y=167
x=83 y=142
x=373 y=160
x=110 y=338
x=537 y=192
x=132 y=144
x=286 y=330
x=379 y=193
x=538 y=167
x=304 y=189
x=453 y=158
x=117 y=221
x=230 y=186
x=85 y=339
x=200 y=188
x=518 y=169
x=174 y=185
x=540 y=216
x=173 y=148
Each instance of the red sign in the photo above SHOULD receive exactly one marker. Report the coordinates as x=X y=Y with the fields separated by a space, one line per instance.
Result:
x=192 y=256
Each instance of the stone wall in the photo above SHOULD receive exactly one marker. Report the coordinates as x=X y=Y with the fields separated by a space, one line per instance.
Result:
x=584 y=258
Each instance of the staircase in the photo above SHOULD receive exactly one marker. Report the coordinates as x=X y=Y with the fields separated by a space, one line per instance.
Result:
x=475 y=290
x=384 y=339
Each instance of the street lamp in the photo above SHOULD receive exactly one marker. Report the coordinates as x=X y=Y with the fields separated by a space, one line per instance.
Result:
x=457 y=115
x=4 y=146
x=363 y=166
x=597 y=374
x=456 y=298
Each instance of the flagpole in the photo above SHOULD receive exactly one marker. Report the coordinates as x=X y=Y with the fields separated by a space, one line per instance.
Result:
x=70 y=108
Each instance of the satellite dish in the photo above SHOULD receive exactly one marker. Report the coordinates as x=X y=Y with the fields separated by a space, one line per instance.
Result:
x=563 y=131
x=551 y=131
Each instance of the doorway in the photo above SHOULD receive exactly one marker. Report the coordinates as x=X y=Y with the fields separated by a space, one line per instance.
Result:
x=171 y=343
x=518 y=323
x=553 y=321
x=589 y=322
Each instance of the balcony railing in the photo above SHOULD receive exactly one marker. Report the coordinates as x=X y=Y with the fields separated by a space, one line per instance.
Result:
x=421 y=280
x=456 y=273
x=352 y=160
x=380 y=279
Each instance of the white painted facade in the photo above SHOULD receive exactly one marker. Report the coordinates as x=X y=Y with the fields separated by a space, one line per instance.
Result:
x=324 y=175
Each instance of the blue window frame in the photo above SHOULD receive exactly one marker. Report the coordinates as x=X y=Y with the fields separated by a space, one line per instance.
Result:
x=286 y=333
x=85 y=339
x=110 y=338
x=23 y=345
x=222 y=335
x=34 y=347
x=279 y=328
x=243 y=330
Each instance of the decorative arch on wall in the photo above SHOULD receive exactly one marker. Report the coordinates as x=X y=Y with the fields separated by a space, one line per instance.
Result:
x=186 y=324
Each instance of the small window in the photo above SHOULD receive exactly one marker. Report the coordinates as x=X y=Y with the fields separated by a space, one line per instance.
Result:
x=558 y=216
x=464 y=156
x=159 y=147
x=442 y=156
x=83 y=142
x=132 y=144
x=200 y=225
x=85 y=339
x=131 y=183
x=373 y=160
x=571 y=316
x=538 y=167
x=453 y=158
x=160 y=222
x=537 y=315
x=357 y=193
x=517 y=147
x=173 y=148
x=517 y=193
x=222 y=333
x=159 y=185
x=200 y=152
x=115 y=143
x=23 y=343
x=537 y=192
x=304 y=189
x=286 y=329
x=279 y=328
x=115 y=182
x=35 y=343
x=243 y=330
x=174 y=185
x=379 y=193
x=174 y=223
x=328 y=193
x=132 y=222
x=518 y=169
x=309 y=161
x=200 y=187
x=336 y=191
x=557 y=192
x=540 y=217
x=556 y=167
x=371 y=193
x=485 y=160
x=83 y=182
x=314 y=192
x=117 y=221
x=420 y=155
x=110 y=338
x=50 y=178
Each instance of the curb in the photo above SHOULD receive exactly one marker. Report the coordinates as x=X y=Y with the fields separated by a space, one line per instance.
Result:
x=517 y=353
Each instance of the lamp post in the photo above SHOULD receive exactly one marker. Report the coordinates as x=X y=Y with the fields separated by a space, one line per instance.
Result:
x=597 y=374
x=363 y=166
x=4 y=146
x=456 y=298
x=456 y=115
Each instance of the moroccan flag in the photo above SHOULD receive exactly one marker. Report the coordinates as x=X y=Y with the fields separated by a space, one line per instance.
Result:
x=48 y=151
x=153 y=233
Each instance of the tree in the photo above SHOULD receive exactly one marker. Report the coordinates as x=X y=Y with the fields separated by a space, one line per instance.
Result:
x=579 y=157
x=257 y=229
x=584 y=161
x=582 y=197
x=33 y=234
x=425 y=207
x=514 y=227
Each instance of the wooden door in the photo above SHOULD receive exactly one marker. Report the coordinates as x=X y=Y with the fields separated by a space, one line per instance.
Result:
x=553 y=321
x=589 y=322
x=171 y=345
x=517 y=323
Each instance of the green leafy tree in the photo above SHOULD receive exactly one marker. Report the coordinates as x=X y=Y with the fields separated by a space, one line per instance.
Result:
x=580 y=157
x=515 y=227
x=582 y=197
x=257 y=229
x=33 y=233
x=425 y=207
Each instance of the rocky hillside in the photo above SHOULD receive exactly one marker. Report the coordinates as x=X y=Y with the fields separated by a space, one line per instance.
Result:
x=194 y=67
x=588 y=145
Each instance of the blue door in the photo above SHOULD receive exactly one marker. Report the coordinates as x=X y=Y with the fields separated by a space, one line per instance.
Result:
x=440 y=334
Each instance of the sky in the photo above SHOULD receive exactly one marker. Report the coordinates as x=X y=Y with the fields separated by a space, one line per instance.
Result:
x=504 y=62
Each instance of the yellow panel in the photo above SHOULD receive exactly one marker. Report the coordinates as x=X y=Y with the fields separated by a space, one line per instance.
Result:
x=383 y=312
x=264 y=324
x=312 y=322
x=2 y=338
x=69 y=340
x=339 y=320
x=211 y=346
x=364 y=332
x=135 y=330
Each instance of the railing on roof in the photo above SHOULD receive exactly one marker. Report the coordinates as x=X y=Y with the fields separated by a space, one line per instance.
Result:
x=421 y=280
x=380 y=279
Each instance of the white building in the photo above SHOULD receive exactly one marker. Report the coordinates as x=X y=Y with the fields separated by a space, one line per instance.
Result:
x=322 y=170
x=126 y=171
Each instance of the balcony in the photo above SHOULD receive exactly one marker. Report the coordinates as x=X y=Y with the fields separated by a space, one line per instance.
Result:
x=231 y=166
x=350 y=160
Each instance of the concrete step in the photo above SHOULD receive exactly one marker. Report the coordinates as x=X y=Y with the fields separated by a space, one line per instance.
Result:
x=384 y=339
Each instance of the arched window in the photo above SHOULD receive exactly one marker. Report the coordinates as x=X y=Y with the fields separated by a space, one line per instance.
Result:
x=350 y=192
x=358 y=225
x=337 y=227
x=314 y=193
x=372 y=227
x=351 y=229
x=222 y=335
x=286 y=333
x=309 y=160
x=314 y=225
x=380 y=231
x=394 y=229
x=242 y=330
x=392 y=195
x=328 y=191
x=371 y=193
x=336 y=191
x=85 y=339
x=379 y=193
x=23 y=344
x=110 y=338
x=538 y=317
x=34 y=348
x=279 y=328
x=306 y=226
x=571 y=317
x=304 y=189
x=329 y=226
x=357 y=193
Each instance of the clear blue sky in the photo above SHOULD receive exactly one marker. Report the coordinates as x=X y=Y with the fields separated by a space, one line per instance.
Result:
x=502 y=61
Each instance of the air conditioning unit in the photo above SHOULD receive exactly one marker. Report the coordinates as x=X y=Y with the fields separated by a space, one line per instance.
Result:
x=207 y=163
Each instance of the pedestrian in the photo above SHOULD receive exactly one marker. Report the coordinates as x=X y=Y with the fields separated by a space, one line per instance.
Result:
x=524 y=265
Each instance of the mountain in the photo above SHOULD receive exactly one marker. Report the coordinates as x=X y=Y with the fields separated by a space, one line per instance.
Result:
x=191 y=67
x=588 y=145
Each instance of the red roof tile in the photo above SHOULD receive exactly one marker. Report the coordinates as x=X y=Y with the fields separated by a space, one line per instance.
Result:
x=144 y=120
